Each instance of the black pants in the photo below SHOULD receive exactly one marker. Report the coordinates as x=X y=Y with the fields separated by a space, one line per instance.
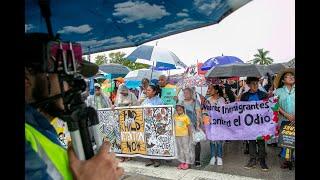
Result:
x=253 y=149
x=197 y=152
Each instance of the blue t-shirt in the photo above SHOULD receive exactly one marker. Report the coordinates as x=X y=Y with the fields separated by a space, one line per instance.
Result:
x=253 y=97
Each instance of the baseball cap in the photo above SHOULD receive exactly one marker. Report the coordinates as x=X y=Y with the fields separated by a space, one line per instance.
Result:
x=120 y=79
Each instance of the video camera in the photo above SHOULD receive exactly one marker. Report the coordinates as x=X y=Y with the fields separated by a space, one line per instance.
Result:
x=47 y=55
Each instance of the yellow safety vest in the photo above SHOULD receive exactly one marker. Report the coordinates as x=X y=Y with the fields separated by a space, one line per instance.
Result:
x=52 y=154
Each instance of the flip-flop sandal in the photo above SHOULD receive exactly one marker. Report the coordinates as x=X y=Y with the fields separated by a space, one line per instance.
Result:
x=180 y=166
x=149 y=163
x=156 y=164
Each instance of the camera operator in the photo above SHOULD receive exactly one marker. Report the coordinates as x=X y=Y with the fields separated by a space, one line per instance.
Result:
x=45 y=157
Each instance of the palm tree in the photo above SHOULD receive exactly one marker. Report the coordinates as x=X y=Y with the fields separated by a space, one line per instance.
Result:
x=261 y=58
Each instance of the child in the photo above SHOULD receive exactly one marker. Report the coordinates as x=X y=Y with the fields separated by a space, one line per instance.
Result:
x=183 y=138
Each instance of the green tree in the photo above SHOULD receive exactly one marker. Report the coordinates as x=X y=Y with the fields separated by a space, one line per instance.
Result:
x=119 y=58
x=100 y=59
x=261 y=58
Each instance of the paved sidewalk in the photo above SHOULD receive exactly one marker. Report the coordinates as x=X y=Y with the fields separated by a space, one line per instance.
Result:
x=137 y=170
x=233 y=167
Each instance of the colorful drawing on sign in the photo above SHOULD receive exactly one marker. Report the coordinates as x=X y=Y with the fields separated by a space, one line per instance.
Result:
x=159 y=131
x=62 y=130
x=132 y=131
x=140 y=131
x=287 y=134
x=109 y=126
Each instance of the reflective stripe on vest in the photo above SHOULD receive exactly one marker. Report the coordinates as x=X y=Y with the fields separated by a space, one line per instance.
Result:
x=53 y=155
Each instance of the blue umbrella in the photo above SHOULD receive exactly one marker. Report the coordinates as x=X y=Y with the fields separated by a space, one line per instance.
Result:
x=220 y=60
x=106 y=25
x=159 y=58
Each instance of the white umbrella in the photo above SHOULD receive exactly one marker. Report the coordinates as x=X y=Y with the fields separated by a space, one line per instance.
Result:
x=138 y=75
x=159 y=58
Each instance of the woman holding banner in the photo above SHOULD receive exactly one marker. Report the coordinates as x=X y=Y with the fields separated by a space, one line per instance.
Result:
x=151 y=100
x=216 y=99
x=193 y=111
x=125 y=98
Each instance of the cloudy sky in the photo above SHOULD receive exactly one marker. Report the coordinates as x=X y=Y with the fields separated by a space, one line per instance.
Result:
x=268 y=24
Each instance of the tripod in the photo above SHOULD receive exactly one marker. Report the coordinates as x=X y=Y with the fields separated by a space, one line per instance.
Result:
x=82 y=121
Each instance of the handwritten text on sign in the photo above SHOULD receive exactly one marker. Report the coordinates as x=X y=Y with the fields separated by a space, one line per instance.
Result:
x=167 y=96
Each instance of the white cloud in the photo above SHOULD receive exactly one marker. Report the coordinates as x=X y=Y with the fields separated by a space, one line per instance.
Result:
x=139 y=36
x=205 y=7
x=185 y=10
x=73 y=29
x=138 y=10
x=95 y=43
x=28 y=27
x=181 y=14
x=182 y=23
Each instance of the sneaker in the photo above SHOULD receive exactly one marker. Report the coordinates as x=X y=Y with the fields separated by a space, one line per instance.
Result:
x=263 y=165
x=219 y=161
x=197 y=164
x=285 y=165
x=213 y=160
x=251 y=164
x=185 y=166
x=180 y=166
x=156 y=164
x=149 y=163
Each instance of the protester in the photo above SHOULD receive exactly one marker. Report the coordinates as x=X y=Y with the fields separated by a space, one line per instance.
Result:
x=216 y=99
x=153 y=99
x=45 y=158
x=183 y=137
x=117 y=82
x=125 y=97
x=254 y=94
x=243 y=87
x=143 y=90
x=285 y=84
x=163 y=83
x=193 y=111
x=98 y=100
x=228 y=92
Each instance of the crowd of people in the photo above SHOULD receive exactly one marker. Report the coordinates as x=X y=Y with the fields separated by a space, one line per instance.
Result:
x=189 y=115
